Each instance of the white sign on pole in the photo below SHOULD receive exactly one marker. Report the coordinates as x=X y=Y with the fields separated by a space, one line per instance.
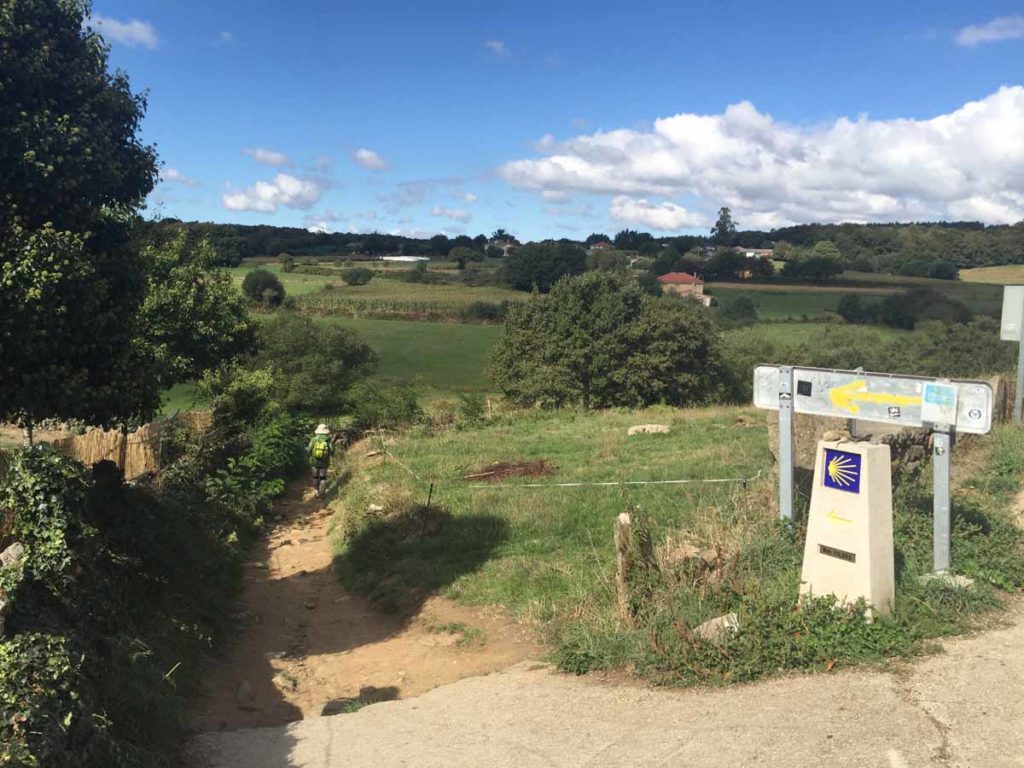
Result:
x=1013 y=313
x=908 y=401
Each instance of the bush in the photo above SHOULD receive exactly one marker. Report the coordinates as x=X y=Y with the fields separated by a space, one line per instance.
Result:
x=740 y=311
x=357 y=276
x=598 y=341
x=486 y=311
x=314 y=364
x=263 y=287
x=542 y=265
x=943 y=270
x=379 y=405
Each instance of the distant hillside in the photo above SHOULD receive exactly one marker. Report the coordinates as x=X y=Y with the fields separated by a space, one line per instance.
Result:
x=865 y=247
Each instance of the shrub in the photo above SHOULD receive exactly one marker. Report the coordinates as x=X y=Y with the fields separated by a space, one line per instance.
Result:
x=740 y=311
x=486 y=311
x=263 y=287
x=315 y=364
x=598 y=341
x=943 y=270
x=357 y=276
x=379 y=405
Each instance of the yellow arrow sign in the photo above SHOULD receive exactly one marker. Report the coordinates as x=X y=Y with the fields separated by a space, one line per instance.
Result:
x=835 y=519
x=847 y=396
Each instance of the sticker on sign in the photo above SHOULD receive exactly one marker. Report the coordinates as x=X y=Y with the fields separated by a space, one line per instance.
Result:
x=909 y=401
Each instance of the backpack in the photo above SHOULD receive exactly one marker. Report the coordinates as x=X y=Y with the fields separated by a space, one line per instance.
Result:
x=320 y=449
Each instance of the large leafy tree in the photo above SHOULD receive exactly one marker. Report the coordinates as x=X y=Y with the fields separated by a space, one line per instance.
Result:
x=724 y=231
x=599 y=342
x=541 y=265
x=72 y=173
x=315 y=365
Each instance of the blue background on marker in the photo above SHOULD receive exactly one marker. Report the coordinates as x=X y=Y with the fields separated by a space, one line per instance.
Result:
x=848 y=477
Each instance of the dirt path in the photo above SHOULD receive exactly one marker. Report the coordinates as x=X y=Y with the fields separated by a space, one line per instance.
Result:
x=305 y=647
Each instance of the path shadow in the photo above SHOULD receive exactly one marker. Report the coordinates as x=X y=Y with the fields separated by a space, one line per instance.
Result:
x=367 y=695
x=391 y=568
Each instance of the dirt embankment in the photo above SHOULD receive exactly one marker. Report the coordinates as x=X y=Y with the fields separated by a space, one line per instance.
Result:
x=304 y=647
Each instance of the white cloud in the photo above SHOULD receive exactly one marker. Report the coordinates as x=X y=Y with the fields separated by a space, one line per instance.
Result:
x=555 y=196
x=132 y=33
x=469 y=197
x=456 y=214
x=498 y=47
x=177 y=177
x=1002 y=28
x=226 y=38
x=664 y=216
x=268 y=196
x=369 y=159
x=268 y=157
x=323 y=163
x=969 y=160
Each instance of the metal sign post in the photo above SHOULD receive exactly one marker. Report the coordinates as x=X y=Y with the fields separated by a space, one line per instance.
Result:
x=942 y=406
x=1011 y=328
x=942 y=445
x=786 y=442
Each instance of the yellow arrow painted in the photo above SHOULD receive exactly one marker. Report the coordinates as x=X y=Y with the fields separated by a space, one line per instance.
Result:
x=836 y=519
x=847 y=396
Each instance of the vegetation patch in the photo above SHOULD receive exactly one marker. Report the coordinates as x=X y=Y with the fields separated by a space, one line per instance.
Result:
x=502 y=470
x=547 y=554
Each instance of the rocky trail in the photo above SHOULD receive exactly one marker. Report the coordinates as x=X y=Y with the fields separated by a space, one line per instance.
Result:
x=304 y=647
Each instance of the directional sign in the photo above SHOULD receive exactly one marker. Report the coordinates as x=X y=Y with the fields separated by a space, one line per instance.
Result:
x=908 y=401
x=1013 y=313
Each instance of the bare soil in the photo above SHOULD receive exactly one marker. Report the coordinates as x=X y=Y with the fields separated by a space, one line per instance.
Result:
x=501 y=470
x=305 y=647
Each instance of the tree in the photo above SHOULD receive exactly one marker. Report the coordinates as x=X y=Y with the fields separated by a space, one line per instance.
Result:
x=598 y=341
x=542 y=265
x=193 y=318
x=631 y=240
x=943 y=270
x=314 y=364
x=357 y=276
x=263 y=287
x=608 y=260
x=826 y=249
x=852 y=309
x=72 y=174
x=494 y=252
x=724 y=231
x=502 y=236
x=463 y=255
x=597 y=237
x=439 y=245
x=740 y=311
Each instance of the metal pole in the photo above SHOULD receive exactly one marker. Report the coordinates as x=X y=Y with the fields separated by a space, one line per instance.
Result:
x=786 y=442
x=942 y=545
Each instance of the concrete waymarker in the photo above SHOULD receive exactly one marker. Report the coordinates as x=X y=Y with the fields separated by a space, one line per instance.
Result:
x=849 y=548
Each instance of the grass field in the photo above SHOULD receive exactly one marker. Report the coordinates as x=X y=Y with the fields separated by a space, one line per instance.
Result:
x=1010 y=274
x=546 y=554
x=437 y=358
x=294 y=284
x=551 y=548
x=781 y=301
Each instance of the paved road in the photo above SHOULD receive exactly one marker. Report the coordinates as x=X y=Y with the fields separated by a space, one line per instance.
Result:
x=958 y=709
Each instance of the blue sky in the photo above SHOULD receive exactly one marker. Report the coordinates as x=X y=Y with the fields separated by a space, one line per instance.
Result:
x=563 y=119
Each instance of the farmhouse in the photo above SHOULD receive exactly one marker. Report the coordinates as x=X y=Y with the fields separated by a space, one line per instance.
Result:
x=600 y=246
x=685 y=284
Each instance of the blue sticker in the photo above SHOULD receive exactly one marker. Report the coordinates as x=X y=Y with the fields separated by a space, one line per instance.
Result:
x=940 y=394
x=842 y=470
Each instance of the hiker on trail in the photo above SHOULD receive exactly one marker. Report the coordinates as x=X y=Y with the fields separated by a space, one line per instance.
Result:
x=320 y=450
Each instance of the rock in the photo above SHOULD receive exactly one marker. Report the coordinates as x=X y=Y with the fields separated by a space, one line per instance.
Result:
x=716 y=628
x=245 y=696
x=376 y=508
x=12 y=556
x=285 y=682
x=649 y=429
x=836 y=436
x=948 y=579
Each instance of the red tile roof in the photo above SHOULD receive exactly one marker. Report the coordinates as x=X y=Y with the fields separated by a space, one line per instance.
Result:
x=680 y=278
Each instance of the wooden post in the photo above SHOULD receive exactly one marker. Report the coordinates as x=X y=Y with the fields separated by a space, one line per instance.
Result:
x=624 y=555
x=122 y=454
